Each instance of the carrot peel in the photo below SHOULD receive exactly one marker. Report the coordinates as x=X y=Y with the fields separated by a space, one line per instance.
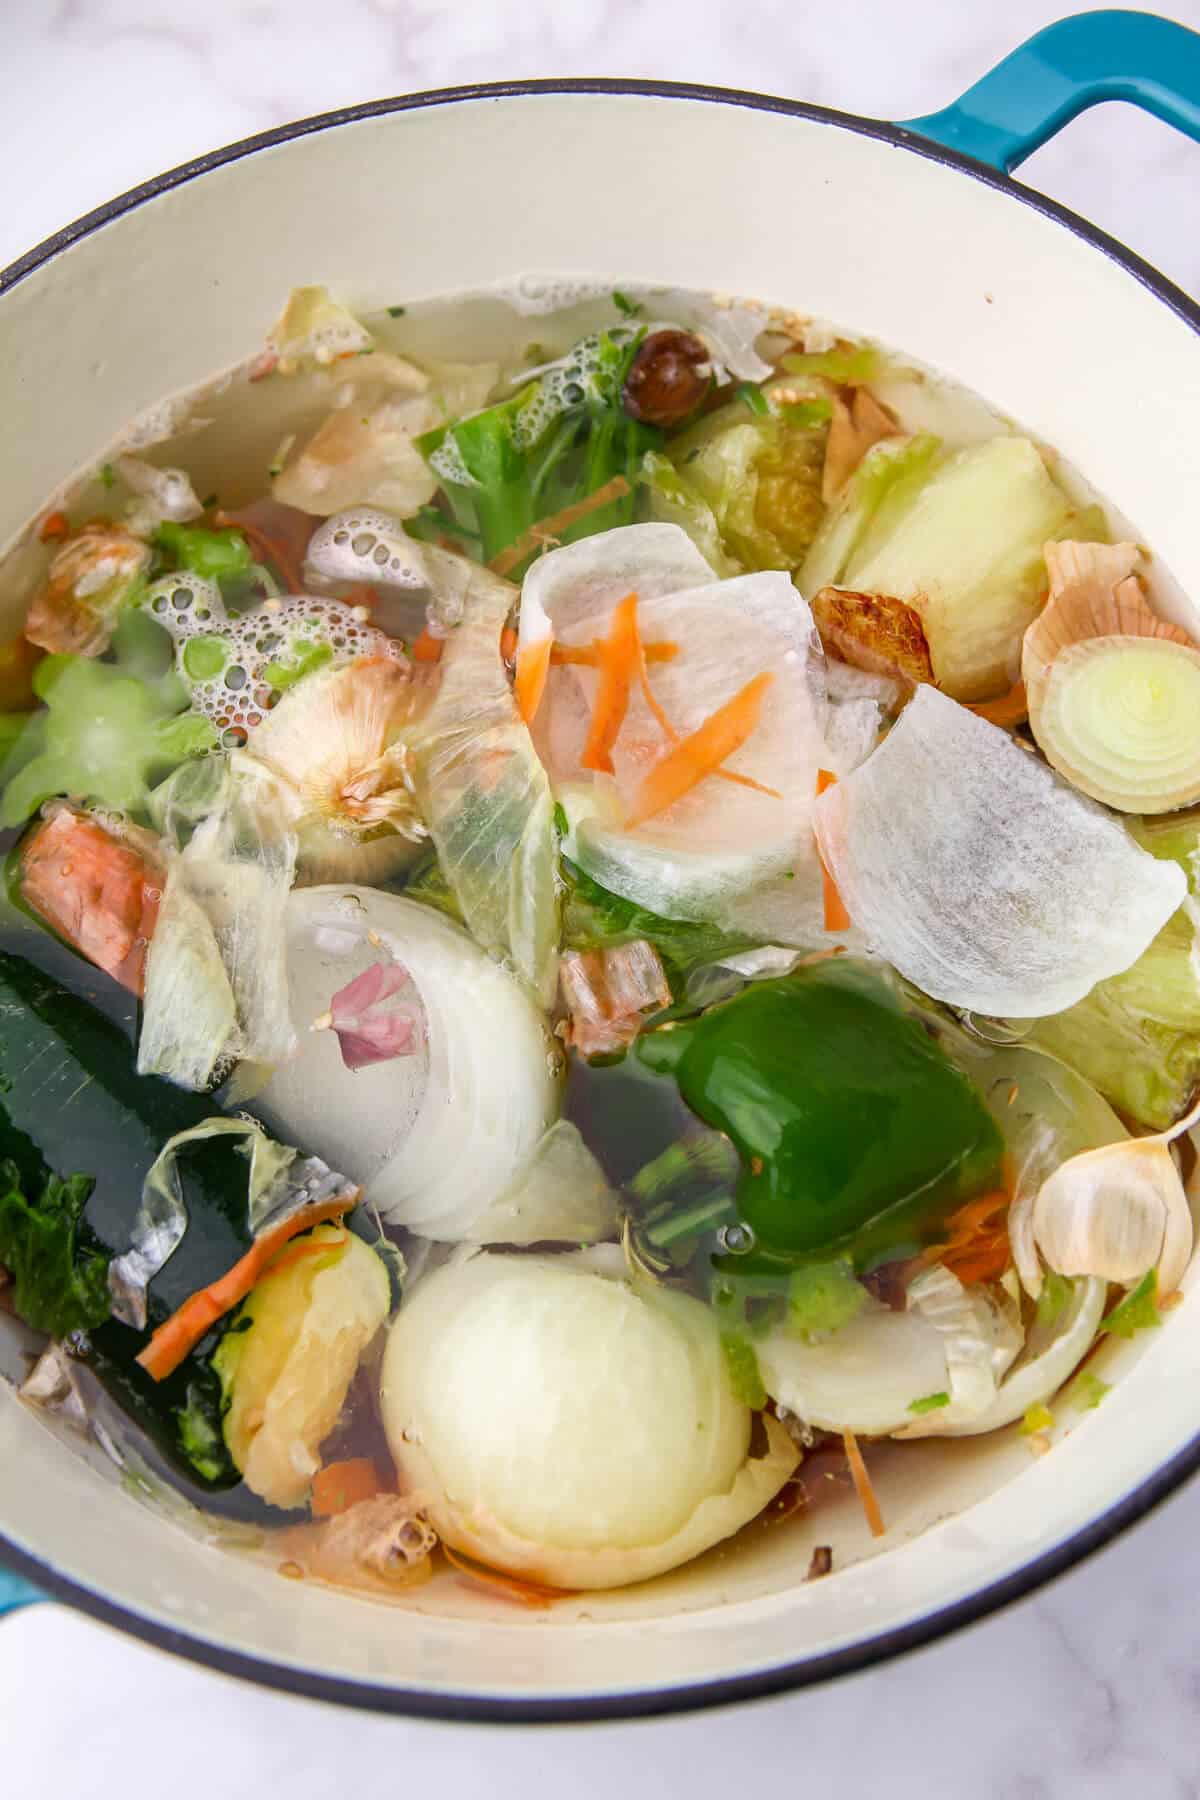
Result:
x=1008 y=710
x=702 y=752
x=178 y=1336
x=533 y=666
x=836 y=916
x=512 y=1587
x=862 y=1485
x=620 y=661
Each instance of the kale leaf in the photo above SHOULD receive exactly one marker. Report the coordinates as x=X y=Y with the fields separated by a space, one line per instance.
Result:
x=60 y=1279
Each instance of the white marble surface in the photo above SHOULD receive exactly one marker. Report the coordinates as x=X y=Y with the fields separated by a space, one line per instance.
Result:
x=1091 y=1689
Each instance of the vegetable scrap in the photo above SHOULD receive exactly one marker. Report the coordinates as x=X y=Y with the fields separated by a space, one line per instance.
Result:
x=600 y=934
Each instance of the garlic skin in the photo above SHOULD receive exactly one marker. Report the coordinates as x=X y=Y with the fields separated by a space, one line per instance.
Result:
x=1115 y=1213
x=568 y=1425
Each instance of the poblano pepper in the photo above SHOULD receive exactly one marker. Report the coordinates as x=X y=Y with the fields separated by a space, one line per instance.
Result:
x=852 y=1124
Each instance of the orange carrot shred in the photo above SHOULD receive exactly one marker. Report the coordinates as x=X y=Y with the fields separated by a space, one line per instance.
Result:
x=977 y=1245
x=702 y=752
x=669 y=731
x=340 y=1485
x=54 y=525
x=178 y=1336
x=533 y=666
x=1010 y=709
x=619 y=663
x=588 y=656
x=427 y=648
x=513 y=1587
x=543 y=532
x=862 y=1484
x=836 y=916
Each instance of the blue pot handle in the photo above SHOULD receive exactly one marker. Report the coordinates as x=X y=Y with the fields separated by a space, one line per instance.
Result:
x=15 y=1593
x=1069 y=66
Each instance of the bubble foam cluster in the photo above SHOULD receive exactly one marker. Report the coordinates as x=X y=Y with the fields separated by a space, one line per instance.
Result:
x=585 y=373
x=365 y=544
x=237 y=670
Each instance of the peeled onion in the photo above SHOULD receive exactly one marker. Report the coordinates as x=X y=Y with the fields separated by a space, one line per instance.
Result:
x=568 y=1426
x=436 y=1136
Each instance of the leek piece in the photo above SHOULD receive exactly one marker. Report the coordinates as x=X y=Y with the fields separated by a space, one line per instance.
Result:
x=1120 y=718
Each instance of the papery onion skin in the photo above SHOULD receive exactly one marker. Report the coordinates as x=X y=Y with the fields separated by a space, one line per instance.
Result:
x=1033 y=1378
x=988 y=901
x=434 y=1137
x=568 y=1426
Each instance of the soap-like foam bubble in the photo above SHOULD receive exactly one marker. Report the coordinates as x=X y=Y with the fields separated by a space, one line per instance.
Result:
x=535 y=296
x=366 y=544
x=236 y=670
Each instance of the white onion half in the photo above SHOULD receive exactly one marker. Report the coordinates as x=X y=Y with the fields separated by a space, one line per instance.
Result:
x=434 y=1137
x=568 y=1426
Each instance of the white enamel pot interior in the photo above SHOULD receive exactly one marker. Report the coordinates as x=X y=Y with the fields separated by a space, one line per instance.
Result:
x=847 y=221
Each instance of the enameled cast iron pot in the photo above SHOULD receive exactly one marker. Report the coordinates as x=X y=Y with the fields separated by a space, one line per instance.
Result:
x=911 y=233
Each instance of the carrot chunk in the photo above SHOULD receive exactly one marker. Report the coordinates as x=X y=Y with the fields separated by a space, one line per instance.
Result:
x=427 y=648
x=341 y=1485
x=95 y=891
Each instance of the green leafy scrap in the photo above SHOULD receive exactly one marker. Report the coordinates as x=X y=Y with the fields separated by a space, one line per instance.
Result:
x=1138 y=1311
x=60 y=1280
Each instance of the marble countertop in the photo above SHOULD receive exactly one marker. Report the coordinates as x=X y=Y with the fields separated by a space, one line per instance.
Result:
x=1092 y=1688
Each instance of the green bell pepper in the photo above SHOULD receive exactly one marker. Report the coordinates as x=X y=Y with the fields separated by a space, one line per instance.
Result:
x=853 y=1127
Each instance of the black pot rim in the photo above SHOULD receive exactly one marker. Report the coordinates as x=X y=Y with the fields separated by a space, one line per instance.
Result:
x=784 y=1677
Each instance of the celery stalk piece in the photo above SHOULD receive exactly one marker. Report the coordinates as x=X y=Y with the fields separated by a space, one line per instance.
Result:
x=891 y=467
x=107 y=736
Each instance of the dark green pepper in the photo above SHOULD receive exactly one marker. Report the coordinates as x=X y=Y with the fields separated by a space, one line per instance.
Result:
x=851 y=1122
